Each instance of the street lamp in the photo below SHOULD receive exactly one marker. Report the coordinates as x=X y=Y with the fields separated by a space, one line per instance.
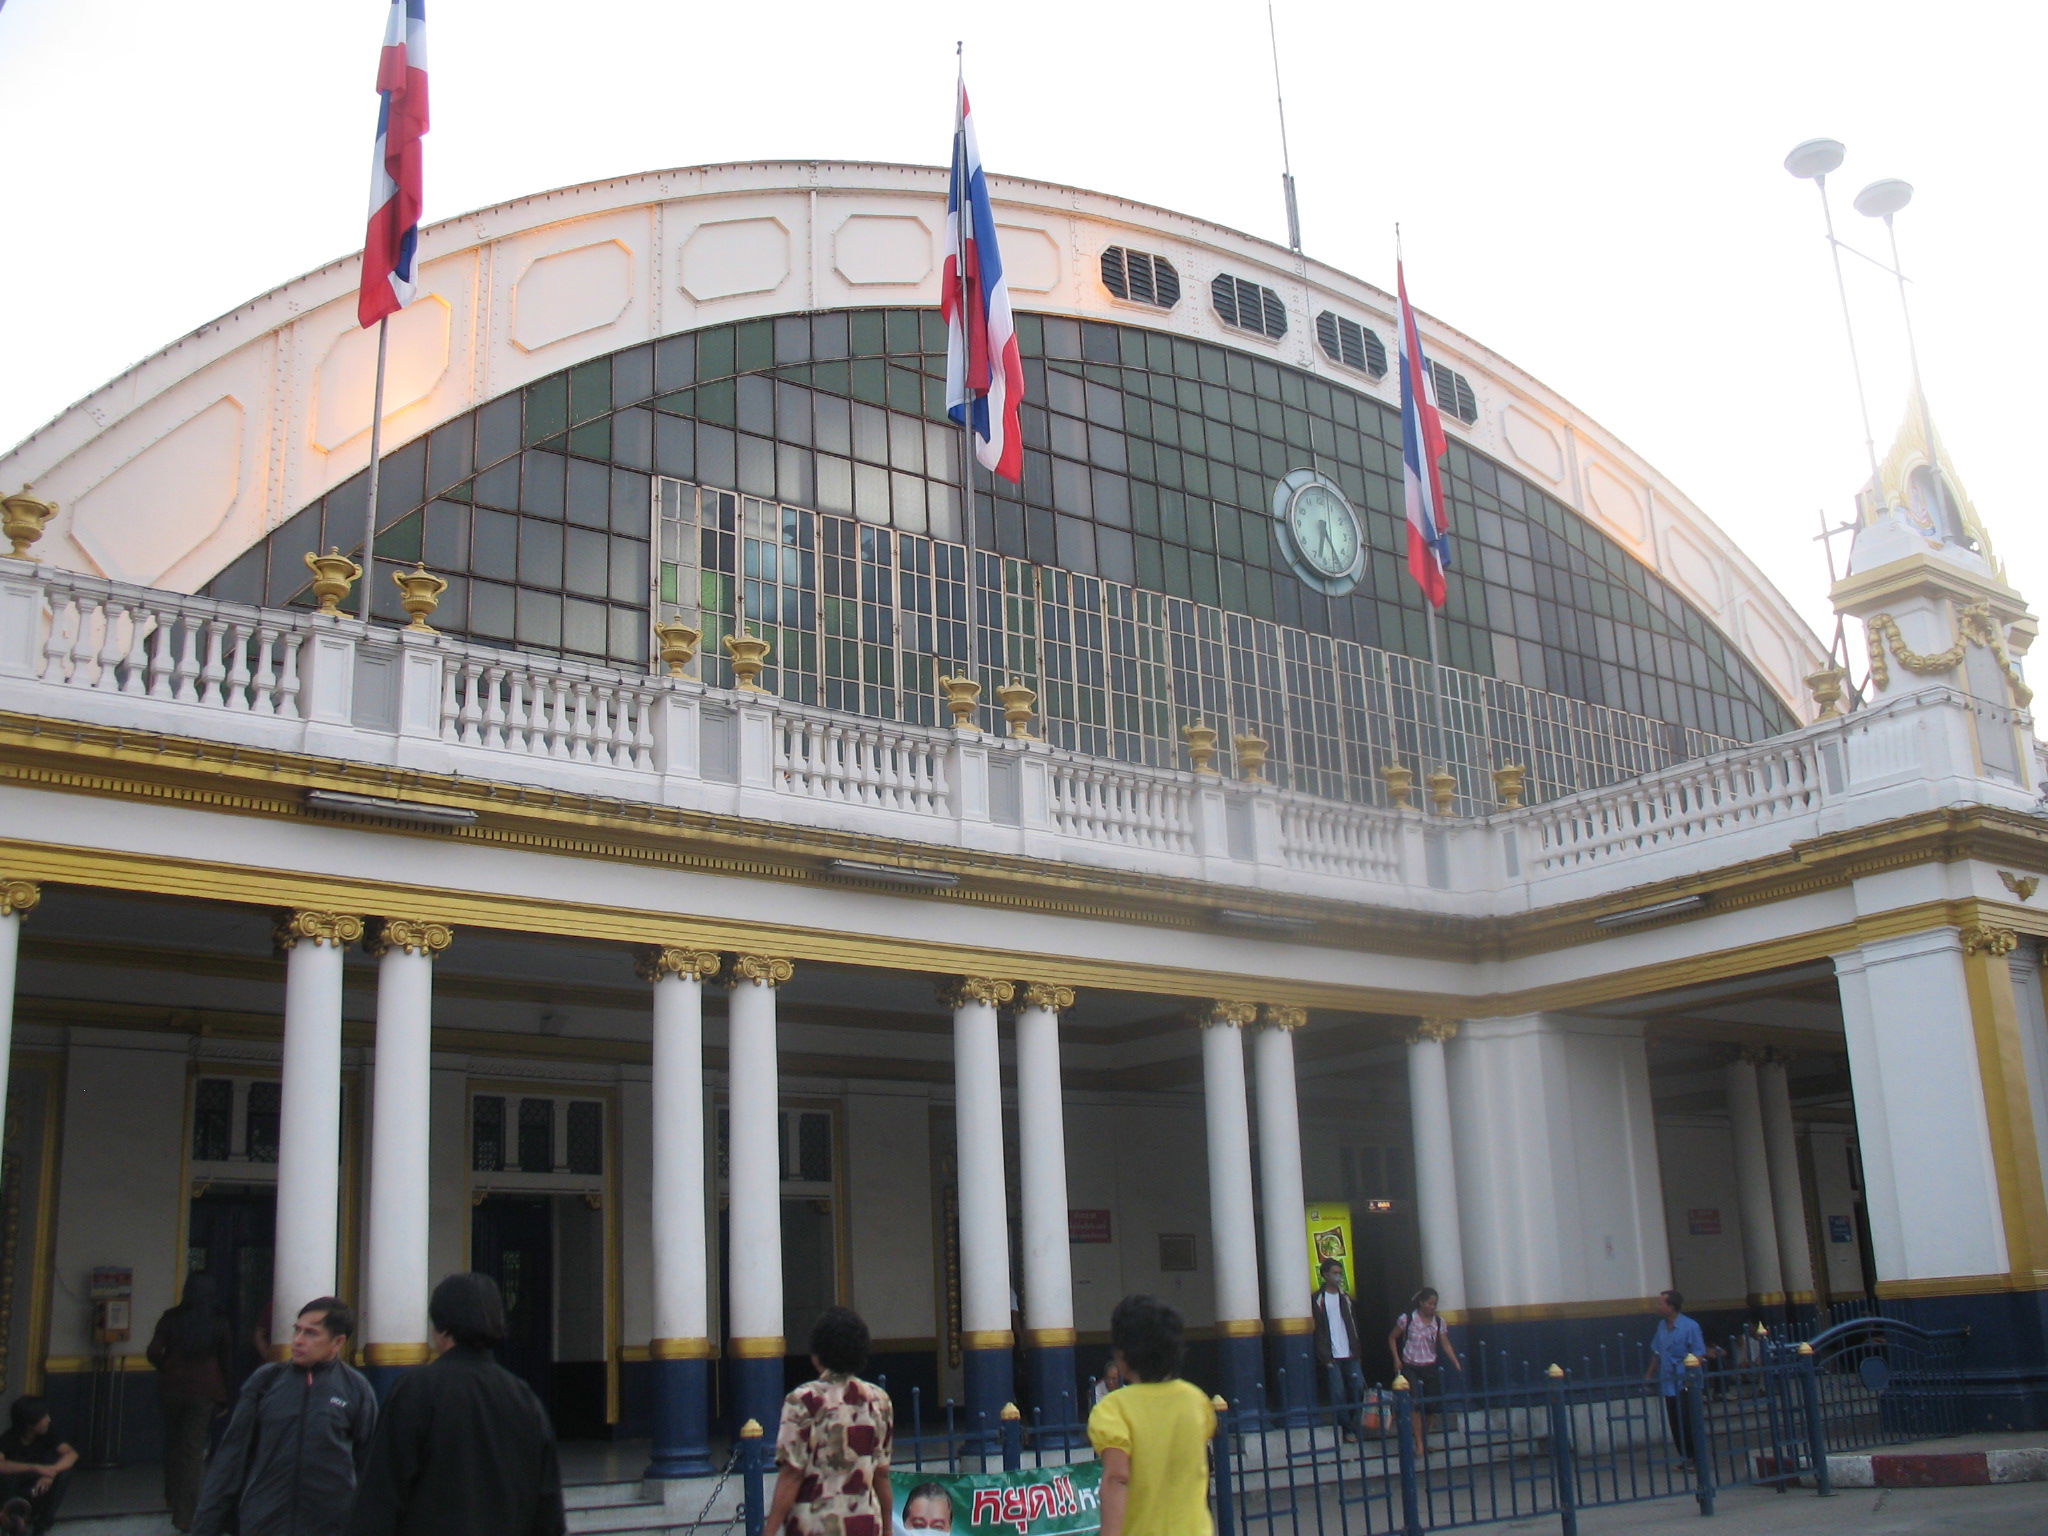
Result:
x=1812 y=161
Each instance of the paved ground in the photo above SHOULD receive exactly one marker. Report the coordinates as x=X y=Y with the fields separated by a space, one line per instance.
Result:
x=2018 y=1510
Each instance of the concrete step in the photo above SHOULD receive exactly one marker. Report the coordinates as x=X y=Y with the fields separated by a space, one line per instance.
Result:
x=596 y=1495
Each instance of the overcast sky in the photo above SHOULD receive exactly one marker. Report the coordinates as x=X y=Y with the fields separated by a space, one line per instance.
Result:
x=1591 y=190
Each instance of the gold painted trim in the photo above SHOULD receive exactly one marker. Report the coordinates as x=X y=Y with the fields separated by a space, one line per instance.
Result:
x=396 y=1354
x=1961 y=1285
x=1049 y=1338
x=988 y=1338
x=72 y=1365
x=2008 y=1103
x=677 y=1349
x=1240 y=1328
x=35 y=1368
x=1290 y=1327
x=1800 y=1298
x=1767 y=1299
x=1558 y=1311
x=758 y=1349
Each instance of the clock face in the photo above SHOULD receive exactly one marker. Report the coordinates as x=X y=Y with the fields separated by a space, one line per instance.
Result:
x=1319 y=532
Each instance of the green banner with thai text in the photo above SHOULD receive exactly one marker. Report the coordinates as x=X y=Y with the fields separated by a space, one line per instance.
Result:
x=1039 y=1501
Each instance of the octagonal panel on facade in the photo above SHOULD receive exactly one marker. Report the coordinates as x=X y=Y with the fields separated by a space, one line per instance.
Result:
x=344 y=384
x=568 y=293
x=1619 y=503
x=729 y=257
x=1533 y=443
x=144 y=517
x=1031 y=258
x=872 y=250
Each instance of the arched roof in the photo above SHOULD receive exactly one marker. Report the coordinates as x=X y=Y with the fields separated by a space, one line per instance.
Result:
x=171 y=470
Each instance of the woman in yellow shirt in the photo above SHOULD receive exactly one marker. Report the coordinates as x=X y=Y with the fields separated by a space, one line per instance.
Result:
x=1153 y=1434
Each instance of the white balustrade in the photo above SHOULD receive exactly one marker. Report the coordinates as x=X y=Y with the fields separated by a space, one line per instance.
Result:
x=1349 y=841
x=532 y=707
x=1112 y=803
x=142 y=643
x=861 y=762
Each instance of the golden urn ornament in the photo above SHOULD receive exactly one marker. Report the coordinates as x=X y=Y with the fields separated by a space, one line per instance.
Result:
x=23 y=518
x=1443 y=790
x=679 y=644
x=1400 y=785
x=1508 y=781
x=962 y=695
x=1201 y=740
x=1251 y=757
x=333 y=574
x=1018 y=709
x=419 y=594
x=749 y=653
x=1826 y=687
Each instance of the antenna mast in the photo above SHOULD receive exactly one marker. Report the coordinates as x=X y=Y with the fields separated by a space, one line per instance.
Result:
x=1286 y=166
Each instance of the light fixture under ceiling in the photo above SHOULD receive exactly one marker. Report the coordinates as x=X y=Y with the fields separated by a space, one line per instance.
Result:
x=377 y=808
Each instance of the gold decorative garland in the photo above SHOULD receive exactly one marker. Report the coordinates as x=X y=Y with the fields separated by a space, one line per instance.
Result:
x=1974 y=626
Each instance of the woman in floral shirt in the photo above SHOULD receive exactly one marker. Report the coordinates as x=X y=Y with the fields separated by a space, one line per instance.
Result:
x=833 y=1447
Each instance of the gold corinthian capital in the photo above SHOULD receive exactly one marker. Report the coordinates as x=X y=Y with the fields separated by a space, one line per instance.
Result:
x=18 y=898
x=659 y=960
x=337 y=928
x=1989 y=939
x=1224 y=1012
x=1441 y=1030
x=1049 y=995
x=768 y=970
x=1282 y=1016
x=416 y=936
x=990 y=991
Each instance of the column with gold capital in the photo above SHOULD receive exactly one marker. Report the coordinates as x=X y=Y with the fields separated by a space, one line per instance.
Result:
x=18 y=898
x=1765 y=1284
x=396 y=1277
x=1233 y=1233
x=309 y=1115
x=1436 y=1162
x=754 y=1185
x=1042 y=1153
x=680 y=1351
x=987 y=1372
x=1283 y=1204
x=1788 y=1199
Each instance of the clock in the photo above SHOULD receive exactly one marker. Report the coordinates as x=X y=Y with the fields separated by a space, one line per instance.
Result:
x=1319 y=532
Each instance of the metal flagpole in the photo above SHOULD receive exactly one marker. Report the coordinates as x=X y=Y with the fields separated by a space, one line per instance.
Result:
x=963 y=215
x=376 y=466
x=1286 y=165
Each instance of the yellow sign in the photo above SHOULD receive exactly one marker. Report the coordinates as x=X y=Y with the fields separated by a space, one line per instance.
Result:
x=1329 y=1237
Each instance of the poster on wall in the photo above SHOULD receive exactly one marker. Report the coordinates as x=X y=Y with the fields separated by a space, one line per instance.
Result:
x=1039 y=1501
x=1329 y=1237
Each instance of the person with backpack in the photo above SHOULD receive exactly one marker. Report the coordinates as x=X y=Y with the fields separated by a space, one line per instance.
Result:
x=289 y=1462
x=1420 y=1341
x=193 y=1352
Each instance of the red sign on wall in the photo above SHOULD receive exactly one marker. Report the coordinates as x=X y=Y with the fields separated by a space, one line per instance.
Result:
x=1087 y=1226
x=1703 y=1221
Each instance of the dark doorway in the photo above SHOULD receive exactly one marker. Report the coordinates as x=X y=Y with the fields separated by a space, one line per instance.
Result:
x=232 y=1236
x=512 y=1239
x=547 y=1253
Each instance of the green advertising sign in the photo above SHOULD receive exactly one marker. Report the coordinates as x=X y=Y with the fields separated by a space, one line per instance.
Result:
x=1042 y=1501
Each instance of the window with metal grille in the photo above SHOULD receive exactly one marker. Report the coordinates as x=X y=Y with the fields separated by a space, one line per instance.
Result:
x=586 y=1137
x=1248 y=307
x=1348 y=342
x=1454 y=394
x=487 y=1133
x=1140 y=277
x=536 y=1135
x=213 y=1120
x=264 y=1099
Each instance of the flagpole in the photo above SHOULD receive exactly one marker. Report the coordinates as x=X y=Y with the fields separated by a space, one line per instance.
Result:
x=376 y=467
x=964 y=213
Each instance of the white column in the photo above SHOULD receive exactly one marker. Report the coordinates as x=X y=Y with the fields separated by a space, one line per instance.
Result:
x=1436 y=1162
x=1753 y=1182
x=1233 y=1235
x=1930 y=1180
x=753 y=1157
x=401 y=1172
x=309 y=1114
x=681 y=1279
x=1788 y=1200
x=1283 y=1201
x=18 y=898
x=978 y=1134
x=1042 y=1152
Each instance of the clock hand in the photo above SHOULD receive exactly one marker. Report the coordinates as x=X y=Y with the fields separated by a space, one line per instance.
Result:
x=1329 y=548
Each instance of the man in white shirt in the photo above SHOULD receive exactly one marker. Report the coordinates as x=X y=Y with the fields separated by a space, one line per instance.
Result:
x=1337 y=1344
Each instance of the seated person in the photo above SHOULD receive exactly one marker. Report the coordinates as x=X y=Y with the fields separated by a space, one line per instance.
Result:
x=35 y=1463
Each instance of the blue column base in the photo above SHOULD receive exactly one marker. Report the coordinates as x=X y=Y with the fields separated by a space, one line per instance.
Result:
x=1055 y=1396
x=757 y=1393
x=382 y=1378
x=1241 y=1369
x=680 y=1396
x=990 y=1380
x=1290 y=1361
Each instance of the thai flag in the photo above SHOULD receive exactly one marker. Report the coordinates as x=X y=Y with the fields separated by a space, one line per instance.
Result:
x=984 y=370
x=1422 y=445
x=391 y=250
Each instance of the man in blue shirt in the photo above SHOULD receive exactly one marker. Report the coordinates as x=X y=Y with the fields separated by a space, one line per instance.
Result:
x=1676 y=1337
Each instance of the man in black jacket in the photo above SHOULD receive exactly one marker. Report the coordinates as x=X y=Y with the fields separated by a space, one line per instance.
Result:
x=289 y=1461
x=464 y=1447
